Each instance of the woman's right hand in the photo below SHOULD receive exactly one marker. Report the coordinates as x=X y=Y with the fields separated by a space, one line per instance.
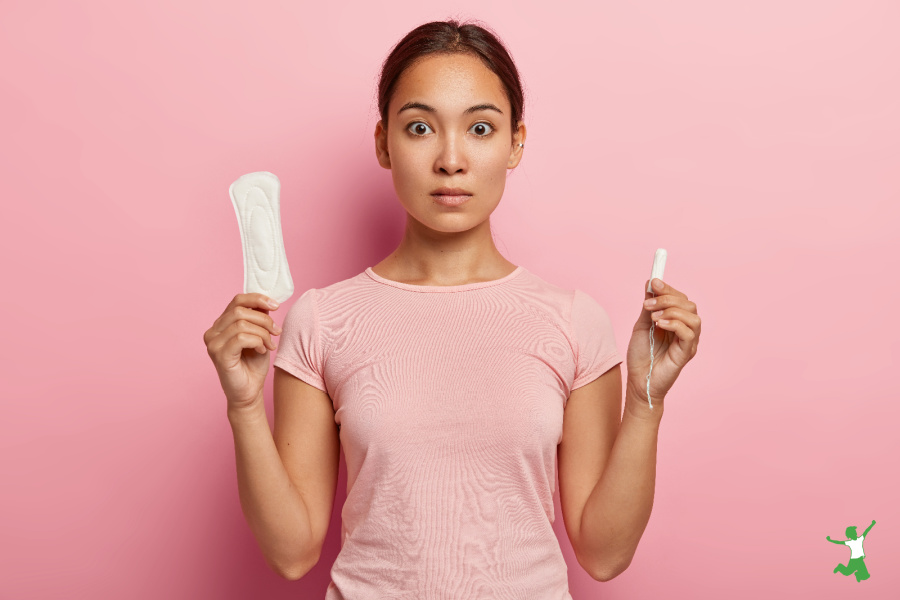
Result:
x=238 y=344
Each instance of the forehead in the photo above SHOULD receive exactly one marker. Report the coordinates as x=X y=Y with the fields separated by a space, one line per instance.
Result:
x=449 y=81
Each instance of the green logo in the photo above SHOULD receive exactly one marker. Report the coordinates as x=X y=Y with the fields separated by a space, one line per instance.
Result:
x=855 y=565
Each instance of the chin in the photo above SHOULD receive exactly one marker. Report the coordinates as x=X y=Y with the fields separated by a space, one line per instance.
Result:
x=448 y=223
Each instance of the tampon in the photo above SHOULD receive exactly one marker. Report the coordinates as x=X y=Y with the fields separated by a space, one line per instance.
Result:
x=656 y=272
x=659 y=265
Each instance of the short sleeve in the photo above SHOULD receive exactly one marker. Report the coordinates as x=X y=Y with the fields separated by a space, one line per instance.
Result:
x=300 y=345
x=595 y=343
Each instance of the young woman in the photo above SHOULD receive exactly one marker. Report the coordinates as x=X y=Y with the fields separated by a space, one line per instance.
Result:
x=453 y=379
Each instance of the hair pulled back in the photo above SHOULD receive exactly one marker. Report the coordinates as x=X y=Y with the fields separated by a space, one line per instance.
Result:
x=451 y=37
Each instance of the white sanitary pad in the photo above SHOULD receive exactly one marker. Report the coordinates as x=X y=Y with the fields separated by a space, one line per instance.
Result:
x=255 y=197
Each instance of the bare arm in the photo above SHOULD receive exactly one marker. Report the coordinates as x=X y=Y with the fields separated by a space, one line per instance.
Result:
x=619 y=507
x=273 y=508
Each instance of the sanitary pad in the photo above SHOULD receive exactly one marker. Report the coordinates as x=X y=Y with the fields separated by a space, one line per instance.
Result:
x=255 y=197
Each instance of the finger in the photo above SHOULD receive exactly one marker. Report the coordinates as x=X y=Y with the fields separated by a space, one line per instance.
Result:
x=230 y=348
x=245 y=340
x=244 y=326
x=644 y=317
x=690 y=319
x=661 y=287
x=254 y=300
x=684 y=333
x=257 y=317
x=666 y=300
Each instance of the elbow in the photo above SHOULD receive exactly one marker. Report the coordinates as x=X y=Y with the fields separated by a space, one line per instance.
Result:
x=292 y=574
x=607 y=573
x=599 y=570
x=297 y=571
x=604 y=567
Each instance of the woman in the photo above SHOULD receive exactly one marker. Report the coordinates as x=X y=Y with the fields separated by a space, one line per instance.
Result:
x=453 y=379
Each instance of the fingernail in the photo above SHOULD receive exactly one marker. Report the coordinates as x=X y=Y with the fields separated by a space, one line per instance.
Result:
x=658 y=284
x=650 y=302
x=273 y=304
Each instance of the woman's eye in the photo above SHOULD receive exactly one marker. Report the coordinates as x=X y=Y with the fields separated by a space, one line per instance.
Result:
x=482 y=126
x=419 y=128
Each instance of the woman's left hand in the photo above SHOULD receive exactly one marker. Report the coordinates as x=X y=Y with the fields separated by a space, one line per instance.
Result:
x=675 y=340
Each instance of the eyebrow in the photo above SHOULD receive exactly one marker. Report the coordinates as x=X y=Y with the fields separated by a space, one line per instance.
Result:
x=431 y=109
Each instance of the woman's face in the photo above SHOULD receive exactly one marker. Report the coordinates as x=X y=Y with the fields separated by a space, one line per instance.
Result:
x=448 y=146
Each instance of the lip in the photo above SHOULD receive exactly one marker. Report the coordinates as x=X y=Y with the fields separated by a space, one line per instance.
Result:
x=445 y=191
x=450 y=200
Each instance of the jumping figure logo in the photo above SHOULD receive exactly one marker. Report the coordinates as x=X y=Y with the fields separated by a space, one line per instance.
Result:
x=855 y=564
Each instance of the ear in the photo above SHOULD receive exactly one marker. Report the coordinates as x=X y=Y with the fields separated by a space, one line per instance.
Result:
x=515 y=153
x=381 y=151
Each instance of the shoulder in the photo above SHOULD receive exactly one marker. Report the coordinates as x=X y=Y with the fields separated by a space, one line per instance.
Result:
x=574 y=308
x=335 y=294
x=320 y=308
x=536 y=290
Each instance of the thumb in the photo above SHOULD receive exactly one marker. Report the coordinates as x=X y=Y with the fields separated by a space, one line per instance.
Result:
x=644 y=317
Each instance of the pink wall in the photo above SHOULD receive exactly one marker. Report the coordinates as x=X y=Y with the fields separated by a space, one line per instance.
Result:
x=759 y=144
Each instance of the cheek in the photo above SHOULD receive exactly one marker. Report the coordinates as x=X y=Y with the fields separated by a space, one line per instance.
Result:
x=410 y=160
x=494 y=167
x=408 y=169
x=497 y=156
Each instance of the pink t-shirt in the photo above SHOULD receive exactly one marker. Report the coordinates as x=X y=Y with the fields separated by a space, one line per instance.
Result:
x=450 y=405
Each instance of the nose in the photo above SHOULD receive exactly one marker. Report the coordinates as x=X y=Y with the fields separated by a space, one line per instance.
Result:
x=451 y=156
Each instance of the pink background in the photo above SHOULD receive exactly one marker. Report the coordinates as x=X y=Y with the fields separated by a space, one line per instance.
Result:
x=759 y=144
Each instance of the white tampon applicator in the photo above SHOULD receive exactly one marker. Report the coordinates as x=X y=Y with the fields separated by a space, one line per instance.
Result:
x=659 y=266
x=656 y=272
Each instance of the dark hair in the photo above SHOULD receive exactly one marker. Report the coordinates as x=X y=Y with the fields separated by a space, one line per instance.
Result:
x=451 y=37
